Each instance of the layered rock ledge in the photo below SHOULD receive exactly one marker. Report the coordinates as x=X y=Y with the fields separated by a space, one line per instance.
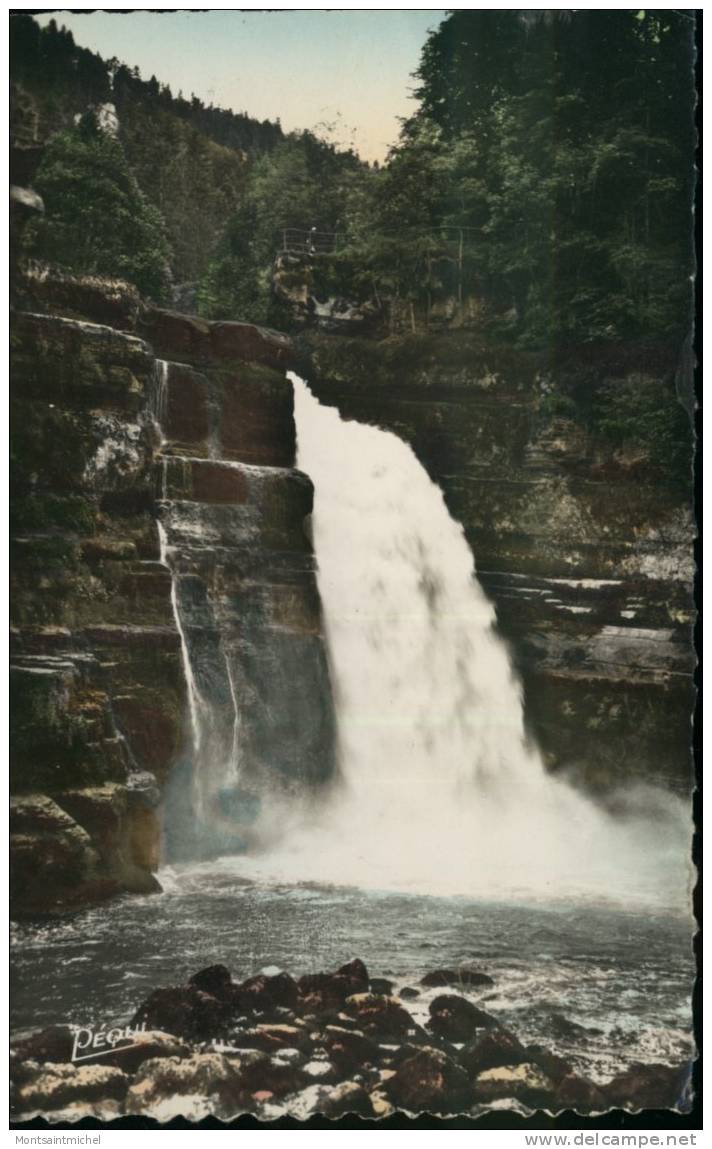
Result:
x=108 y=442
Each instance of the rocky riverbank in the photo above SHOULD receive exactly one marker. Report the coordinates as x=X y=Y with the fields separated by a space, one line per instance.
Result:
x=326 y=1043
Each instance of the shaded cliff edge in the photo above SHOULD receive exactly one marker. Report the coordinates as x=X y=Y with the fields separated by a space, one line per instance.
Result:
x=99 y=703
x=585 y=550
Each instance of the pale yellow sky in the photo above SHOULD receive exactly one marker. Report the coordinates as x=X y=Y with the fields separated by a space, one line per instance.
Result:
x=305 y=68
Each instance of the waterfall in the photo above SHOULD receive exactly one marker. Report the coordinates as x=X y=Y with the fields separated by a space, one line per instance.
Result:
x=441 y=790
x=203 y=790
x=159 y=405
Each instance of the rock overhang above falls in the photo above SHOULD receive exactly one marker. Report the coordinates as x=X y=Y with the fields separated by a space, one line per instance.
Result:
x=234 y=504
x=240 y=411
x=188 y=338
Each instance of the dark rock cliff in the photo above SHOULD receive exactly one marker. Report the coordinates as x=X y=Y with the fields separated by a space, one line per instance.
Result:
x=586 y=550
x=98 y=687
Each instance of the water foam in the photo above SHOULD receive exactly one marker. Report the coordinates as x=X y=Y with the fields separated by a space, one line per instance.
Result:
x=441 y=791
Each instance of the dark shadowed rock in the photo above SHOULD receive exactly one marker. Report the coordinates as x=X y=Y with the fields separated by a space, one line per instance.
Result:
x=462 y=976
x=348 y=1048
x=273 y=1038
x=354 y=974
x=53 y=861
x=650 y=1087
x=214 y=979
x=186 y=1011
x=429 y=1081
x=267 y=1075
x=409 y=993
x=560 y=1026
x=379 y=1015
x=186 y=337
x=526 y=1083
x=266 y=992
x=380 y=985
x=186 y=420
x=457 y=1019
x=55 y=1043
x=493 y=1048
x=318 y=994
x=579 y=1094
x=554 y=1066
x=321 y=992
x=392 y=1058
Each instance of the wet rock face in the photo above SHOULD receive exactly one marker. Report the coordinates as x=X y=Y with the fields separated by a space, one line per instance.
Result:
x=457 y=1019
x=93 y=638
x=99 y=693
x=585 y=549
x=431 y=1082
x=47 y=841
x=456 y=977
x=235 y=516
x=491 y=1049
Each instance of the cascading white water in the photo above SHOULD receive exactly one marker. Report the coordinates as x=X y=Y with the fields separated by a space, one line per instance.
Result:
x=214 y=736
x=196 y=706
x=441 y=792
x=160 y=396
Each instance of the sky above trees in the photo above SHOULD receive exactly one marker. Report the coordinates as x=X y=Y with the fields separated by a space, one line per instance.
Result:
x=346 y=73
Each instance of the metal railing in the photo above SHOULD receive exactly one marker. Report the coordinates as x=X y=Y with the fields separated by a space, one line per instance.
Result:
x=454 y=246
x=310 y=242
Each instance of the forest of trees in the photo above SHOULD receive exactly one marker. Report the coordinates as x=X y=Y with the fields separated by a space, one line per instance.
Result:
x=570 y=136
x=97 y=219
x=189 y=160
x=559 y=142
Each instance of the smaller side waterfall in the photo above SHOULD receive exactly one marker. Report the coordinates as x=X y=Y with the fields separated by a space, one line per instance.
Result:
x=259 y=711
x=202 y=793
x=160 y=397
x=214 y=712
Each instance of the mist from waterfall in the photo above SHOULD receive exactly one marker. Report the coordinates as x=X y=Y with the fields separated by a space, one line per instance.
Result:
x=440 y=790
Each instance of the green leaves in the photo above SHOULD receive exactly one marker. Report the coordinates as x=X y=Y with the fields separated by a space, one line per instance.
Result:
x=568 y=141
x=97 y=220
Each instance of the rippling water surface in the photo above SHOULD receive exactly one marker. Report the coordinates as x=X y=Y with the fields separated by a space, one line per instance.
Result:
x=623 y=977
x=579 y=918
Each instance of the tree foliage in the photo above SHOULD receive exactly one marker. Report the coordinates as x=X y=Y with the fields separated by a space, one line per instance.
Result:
x=575 y=134
x=560 y=142
x=189 y=159
x=97 y=220
x=302 y=183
